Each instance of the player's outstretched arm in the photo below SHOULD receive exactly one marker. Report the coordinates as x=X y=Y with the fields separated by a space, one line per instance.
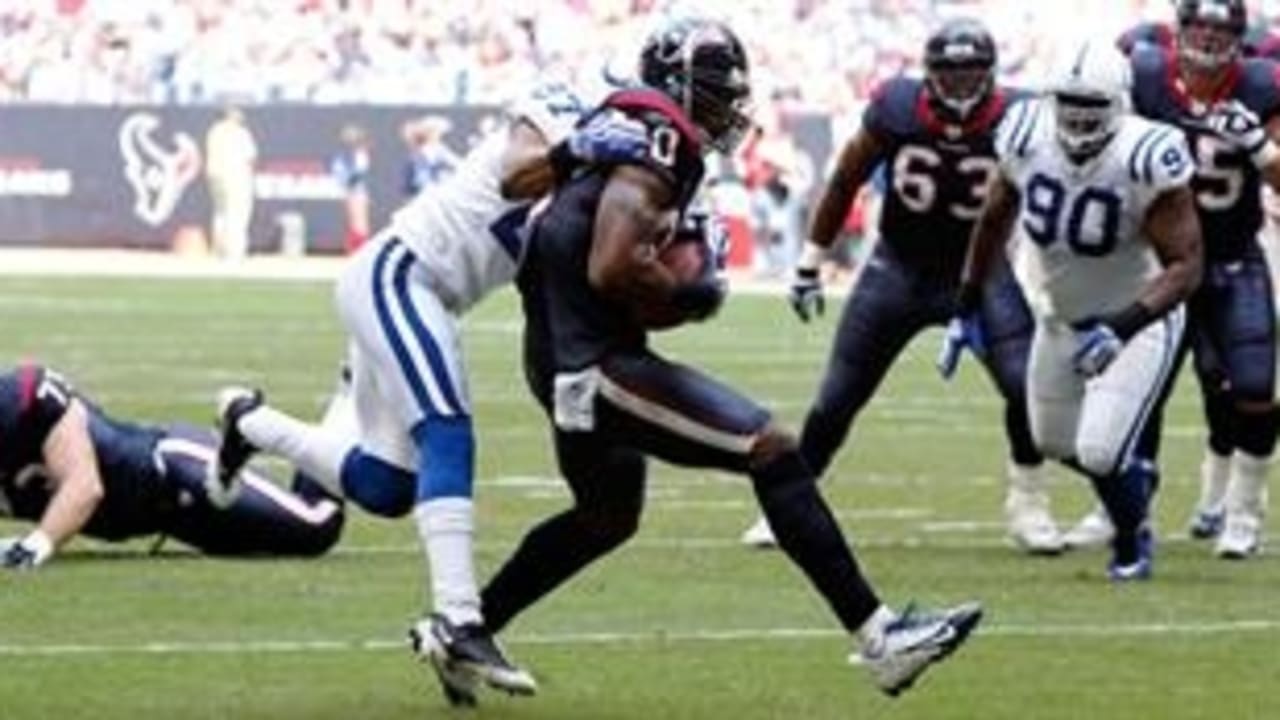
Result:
x=527 y=172
x=991 y=231
x=1174 y=230
x=857 y=161
x=531 y=166
x=72 y=464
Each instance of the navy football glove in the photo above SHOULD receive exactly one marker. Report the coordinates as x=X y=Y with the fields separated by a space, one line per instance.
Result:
x=964 y=331
x=609 y=137
x=1097 y=346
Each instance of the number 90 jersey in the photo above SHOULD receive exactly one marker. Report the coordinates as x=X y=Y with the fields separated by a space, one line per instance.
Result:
x=468 y=237
x=937 y=174
x=1081 y=250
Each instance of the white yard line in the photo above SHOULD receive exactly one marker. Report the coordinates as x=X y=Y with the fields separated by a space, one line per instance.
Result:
x=1015 y=631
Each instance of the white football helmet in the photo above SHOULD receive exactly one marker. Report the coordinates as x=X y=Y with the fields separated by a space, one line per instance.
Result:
x=1089 y=86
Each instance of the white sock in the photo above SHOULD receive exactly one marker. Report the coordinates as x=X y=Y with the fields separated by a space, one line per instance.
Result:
x=1215 y=473
x=446 y=527
x=871 y=634
x=1247 y=492
x=316 y=450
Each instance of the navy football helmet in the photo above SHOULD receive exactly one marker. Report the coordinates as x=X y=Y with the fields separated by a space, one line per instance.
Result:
x=702 y=66
x=960 y=68
x=1211 y=33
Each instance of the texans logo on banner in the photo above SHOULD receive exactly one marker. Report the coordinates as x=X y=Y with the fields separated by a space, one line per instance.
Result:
x=158 y=175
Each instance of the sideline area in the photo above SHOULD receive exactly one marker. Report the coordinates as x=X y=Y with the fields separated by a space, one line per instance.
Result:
x=37 y=262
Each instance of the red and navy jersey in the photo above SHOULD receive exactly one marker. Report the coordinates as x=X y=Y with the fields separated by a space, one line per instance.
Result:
x=33 y=400
x=1227 y=186
x=569 y=325
x=936 y=173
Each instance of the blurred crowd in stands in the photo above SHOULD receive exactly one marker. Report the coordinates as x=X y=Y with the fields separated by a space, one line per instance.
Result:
x=813 y=54
x=809 y=56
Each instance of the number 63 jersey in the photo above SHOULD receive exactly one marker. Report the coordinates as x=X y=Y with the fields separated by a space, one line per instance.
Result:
x=937 y=172
x=1081 y=251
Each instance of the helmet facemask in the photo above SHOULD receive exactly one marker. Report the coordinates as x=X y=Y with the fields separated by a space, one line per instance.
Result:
x=1208 y=47
x=716 y=97
x=1085 y=123
x=960 y=88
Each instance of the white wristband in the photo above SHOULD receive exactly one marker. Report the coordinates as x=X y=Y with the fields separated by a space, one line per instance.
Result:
x=40 y=544
x=1265 y=155
x=811 y=256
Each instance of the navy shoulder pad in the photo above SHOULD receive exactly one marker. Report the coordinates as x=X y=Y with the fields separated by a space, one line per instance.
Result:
x=1259 y=87
x=892 y=110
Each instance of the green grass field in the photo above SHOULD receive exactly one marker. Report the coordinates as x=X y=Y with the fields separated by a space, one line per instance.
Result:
x=682 y=623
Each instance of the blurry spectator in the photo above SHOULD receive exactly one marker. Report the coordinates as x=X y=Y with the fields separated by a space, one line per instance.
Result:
x=431 y=52
x=230 y=154
x=778 y=177
x=350 y=168
x=430 y=160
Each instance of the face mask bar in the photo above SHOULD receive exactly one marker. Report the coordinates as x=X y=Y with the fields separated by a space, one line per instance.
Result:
x=1085 y=123
x=1208 y=47
x=960 y=88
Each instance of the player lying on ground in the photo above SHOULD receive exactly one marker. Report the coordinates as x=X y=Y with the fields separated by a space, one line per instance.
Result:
x=72 y=470
x=934 y=137
x=400 y=299
x=594 y=281
x=1108 y=248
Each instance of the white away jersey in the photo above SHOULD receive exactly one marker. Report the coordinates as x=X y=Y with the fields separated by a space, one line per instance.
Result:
x=466 y=235
x=1081 y=250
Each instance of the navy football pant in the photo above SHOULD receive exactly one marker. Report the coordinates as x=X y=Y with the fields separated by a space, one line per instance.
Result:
x=1233 y=341
x=893 y=302
x=644 y=405
x=265 y=519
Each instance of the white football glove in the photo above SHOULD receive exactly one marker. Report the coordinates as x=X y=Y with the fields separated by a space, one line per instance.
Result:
x=1243 y=129
x=27 y=552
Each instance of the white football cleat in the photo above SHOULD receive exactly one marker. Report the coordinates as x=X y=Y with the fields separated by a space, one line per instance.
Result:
x=759 y=535
x=1026 y=509
x=915 y=640
x=1241 y=537
x=1093 y=530
x=1031 y=527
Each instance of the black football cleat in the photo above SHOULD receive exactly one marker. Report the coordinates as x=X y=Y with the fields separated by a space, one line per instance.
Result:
x=234 y=449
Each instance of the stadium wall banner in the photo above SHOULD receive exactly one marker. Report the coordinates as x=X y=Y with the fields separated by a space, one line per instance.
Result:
x=136 y=176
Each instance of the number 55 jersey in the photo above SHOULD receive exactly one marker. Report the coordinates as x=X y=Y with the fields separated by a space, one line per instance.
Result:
x=1081 y=250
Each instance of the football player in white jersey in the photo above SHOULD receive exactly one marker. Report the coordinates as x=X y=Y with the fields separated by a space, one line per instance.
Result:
x=399 y=299
x=1108 y=248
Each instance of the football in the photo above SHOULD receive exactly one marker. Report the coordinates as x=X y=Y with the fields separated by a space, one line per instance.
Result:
x=686 y=257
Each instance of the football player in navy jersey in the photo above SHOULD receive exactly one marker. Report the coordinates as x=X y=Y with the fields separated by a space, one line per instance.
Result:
x=591 y=268
x=1227 y=104
x=1258 y=41
x=71 y=469
x=934 y=137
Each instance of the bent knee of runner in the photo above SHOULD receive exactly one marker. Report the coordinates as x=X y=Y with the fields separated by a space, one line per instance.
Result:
x=771 y=443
